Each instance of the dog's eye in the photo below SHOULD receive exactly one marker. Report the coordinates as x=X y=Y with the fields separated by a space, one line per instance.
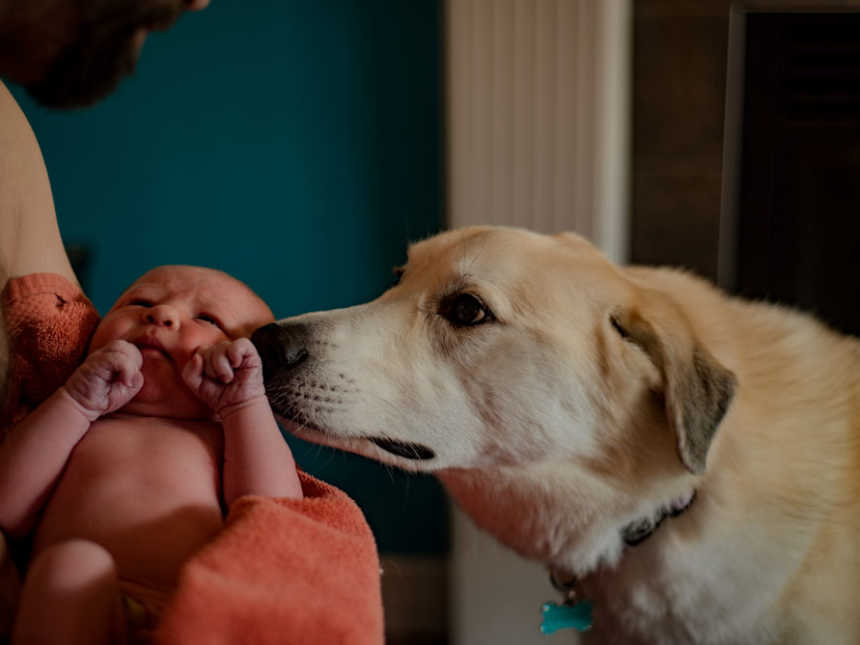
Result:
x=465 y=310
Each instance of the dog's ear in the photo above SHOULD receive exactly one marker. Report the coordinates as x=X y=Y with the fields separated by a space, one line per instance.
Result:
x=697 y=389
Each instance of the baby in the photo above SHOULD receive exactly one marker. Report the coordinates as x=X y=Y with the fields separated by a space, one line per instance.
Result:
x=125 y=471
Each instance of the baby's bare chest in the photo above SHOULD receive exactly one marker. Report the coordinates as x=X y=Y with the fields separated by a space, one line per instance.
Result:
x=148 y=490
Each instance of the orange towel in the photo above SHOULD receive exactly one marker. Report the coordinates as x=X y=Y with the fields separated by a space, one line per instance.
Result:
x=282 y=571
x=49 y=322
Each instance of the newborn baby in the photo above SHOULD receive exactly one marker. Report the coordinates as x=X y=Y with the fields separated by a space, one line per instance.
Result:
x=126 y=470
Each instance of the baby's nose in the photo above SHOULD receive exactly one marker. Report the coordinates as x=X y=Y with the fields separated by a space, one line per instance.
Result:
x=162 y=316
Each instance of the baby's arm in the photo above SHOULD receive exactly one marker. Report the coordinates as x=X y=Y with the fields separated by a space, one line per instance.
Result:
x=36 y=450
x=228 y=377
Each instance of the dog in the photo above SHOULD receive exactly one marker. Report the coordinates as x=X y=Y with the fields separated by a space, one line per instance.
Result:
x=687 y=461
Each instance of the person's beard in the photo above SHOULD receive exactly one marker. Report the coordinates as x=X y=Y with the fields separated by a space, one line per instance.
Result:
x=104 y=52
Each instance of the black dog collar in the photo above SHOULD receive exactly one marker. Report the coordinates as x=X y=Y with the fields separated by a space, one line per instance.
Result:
x=640 y=530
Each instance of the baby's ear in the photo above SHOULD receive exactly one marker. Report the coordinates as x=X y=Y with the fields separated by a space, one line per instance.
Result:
x=697 y=388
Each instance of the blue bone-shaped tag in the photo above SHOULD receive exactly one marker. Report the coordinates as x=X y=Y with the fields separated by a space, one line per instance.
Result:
x=557 y=617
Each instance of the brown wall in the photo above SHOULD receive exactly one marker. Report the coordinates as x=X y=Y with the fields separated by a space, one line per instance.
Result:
x=679 y=79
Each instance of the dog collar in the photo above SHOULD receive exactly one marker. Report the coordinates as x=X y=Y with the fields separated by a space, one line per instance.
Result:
x=640 y=530
x=573 y=614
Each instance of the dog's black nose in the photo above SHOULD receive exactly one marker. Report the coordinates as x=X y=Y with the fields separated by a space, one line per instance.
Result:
x=281 y=347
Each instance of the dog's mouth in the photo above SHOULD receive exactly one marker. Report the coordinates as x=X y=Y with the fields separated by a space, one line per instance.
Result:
x=404 y=449
x=303 y=427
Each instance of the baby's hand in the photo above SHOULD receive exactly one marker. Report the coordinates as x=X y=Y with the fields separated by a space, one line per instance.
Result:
x=109 y=378
x=226 y=375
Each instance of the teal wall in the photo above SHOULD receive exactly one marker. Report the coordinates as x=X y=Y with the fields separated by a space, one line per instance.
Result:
x=295 y=145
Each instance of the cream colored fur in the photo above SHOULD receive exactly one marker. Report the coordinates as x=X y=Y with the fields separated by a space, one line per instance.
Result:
x=587 y=401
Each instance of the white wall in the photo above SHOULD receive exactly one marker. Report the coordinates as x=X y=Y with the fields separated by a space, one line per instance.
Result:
x=538 y=115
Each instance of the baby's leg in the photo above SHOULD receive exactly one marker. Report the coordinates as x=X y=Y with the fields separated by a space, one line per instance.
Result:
x=70 y=596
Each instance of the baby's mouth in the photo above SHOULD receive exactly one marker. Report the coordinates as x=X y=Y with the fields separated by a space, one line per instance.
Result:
x=152 y=351
x=151 y=348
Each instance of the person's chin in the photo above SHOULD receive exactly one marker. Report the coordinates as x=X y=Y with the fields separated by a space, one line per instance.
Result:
x=85 y=73
x=137 y=41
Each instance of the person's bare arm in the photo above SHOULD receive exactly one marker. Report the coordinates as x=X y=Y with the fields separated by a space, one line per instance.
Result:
x=30 y=239
x=36 y=450
x=257 y=460
x=29 y=236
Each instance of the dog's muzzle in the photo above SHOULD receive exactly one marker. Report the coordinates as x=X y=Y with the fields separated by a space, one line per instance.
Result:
x=282 y=348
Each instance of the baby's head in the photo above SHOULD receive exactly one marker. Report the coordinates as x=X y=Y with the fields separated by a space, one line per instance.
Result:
x=169 y=313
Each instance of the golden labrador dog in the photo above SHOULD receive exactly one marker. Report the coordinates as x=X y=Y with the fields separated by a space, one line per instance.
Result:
x=688 y=462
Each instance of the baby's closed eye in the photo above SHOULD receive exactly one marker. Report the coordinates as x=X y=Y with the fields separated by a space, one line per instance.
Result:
x=212 y=320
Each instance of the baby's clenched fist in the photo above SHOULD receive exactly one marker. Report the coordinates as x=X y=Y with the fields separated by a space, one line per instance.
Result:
x=109 y=378
x=226 y=376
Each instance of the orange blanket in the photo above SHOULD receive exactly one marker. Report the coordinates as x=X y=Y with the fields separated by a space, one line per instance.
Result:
x=49 y=322
x=282 y=571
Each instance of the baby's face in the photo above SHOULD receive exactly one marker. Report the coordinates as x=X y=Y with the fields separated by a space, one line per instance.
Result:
x=169 y=314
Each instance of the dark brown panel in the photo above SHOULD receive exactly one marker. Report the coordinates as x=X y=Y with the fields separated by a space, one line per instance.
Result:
x=679 y=79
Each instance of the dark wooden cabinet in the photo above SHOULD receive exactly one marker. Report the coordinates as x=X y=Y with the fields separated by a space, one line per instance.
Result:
x=798 y=215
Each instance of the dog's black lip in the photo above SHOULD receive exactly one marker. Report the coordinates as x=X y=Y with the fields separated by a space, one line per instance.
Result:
x=404 y=449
